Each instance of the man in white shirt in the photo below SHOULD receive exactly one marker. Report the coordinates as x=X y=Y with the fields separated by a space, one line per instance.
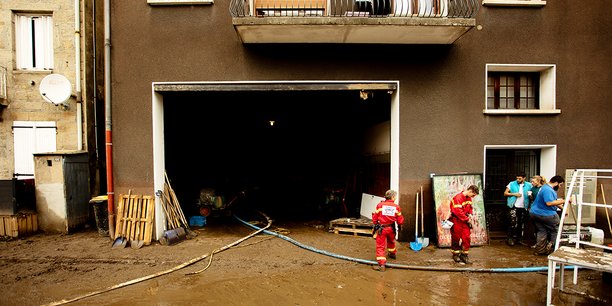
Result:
x=517 y=193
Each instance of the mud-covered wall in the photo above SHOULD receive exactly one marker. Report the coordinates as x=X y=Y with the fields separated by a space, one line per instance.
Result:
x=442 y=87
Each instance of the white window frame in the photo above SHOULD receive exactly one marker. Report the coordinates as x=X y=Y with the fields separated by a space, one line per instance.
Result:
x=33 y=53
x=534 y=3
x=547 y=85
x=30 y=137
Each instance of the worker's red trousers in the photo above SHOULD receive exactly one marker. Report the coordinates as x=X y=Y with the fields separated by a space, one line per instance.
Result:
x=385 y=241
x=460 y=231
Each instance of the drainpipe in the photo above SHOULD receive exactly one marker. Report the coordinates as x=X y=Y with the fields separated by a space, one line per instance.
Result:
x=77 y=60
x=95 y=81
x=108 y=122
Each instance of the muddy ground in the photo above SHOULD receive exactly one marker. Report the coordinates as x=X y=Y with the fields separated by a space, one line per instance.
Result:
x=43 y=268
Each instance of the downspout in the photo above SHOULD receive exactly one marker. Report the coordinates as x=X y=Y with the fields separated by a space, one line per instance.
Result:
x=77 y=61
x=95 y=82
x=108 y=122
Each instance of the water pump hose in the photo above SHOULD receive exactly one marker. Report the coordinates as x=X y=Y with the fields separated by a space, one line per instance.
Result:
x=401 y=266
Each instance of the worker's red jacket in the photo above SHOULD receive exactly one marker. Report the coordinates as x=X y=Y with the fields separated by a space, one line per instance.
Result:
x=461 y=207
x=387 y=212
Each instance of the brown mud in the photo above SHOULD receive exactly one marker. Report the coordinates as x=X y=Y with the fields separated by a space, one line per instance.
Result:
x=262 y=271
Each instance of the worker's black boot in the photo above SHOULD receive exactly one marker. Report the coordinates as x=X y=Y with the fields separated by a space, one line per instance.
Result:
x=465 y=259
x=392 y=256
x=456 y=258
x=379 y=268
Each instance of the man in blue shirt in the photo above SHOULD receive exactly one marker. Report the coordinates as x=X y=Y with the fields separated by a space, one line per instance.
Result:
x=544 y=215
x=517 y=193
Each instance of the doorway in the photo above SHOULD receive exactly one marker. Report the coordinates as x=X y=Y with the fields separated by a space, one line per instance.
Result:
x=319 y=117
x=501 y=165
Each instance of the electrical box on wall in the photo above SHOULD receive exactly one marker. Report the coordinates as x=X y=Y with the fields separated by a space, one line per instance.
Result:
x=62 y=190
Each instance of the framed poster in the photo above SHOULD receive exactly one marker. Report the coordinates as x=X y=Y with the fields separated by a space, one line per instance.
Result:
x=445 y=187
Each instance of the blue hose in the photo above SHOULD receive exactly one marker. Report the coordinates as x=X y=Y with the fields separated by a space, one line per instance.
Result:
x=400 y=266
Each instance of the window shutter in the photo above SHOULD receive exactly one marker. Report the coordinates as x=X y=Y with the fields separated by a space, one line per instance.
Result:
x=34 y=42
x=31 y=137
x=44 y=42
x=23 y=42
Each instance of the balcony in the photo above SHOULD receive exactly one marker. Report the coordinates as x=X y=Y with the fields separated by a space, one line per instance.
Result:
x=353 y=21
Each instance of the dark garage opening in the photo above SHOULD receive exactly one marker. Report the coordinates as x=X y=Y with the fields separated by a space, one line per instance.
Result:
x=295 y=155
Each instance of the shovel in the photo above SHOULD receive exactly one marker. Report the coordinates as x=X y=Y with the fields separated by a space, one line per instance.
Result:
x=423 y=240
x=416 y=245
x=121 y=241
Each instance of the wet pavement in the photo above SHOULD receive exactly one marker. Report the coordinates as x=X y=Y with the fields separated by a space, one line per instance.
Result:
x=265 y=271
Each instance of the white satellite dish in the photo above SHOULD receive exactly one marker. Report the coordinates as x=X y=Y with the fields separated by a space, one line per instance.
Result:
x=55 y=88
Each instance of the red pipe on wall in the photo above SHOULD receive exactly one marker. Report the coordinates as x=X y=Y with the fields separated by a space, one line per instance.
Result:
x=108 y=122
x=109 y=183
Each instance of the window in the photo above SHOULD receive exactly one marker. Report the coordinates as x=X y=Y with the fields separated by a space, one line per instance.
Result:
x=536 y=3
x=34 y=41
x=512 y=90
x=520 y=89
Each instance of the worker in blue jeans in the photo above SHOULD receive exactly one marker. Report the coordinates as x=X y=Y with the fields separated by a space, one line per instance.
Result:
x=544 y=215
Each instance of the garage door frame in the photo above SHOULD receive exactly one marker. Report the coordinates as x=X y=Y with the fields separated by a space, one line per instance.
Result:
x=158 y=88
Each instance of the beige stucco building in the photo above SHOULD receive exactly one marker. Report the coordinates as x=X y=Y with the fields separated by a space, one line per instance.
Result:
x=40 y=39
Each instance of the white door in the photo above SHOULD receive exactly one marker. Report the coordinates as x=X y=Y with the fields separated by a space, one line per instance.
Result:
x=31 y=137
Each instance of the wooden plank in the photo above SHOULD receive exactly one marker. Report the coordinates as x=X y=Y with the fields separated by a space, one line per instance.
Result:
x=14 y=232
x=354 y=231
x=2 y=229
x=119 y=221
x=22 y=224
x=28 y=220
x=149 y=221
x=35 y=223
x=589 y=258
x=352 y=223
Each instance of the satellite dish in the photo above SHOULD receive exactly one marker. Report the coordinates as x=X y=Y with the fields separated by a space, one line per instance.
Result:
x=55 y=88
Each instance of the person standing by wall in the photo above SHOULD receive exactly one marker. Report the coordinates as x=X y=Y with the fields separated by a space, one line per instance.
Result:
x=461 y=216
x=529 y=234
x=544 y=215
x=517 y=201
x=536 y=183
x=384 y=217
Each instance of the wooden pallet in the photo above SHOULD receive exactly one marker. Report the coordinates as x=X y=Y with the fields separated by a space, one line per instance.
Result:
x=19 y=225
x=353 y=226
x=135 y=214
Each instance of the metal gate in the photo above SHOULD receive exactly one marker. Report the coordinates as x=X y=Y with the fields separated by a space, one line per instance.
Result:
x=502 y=167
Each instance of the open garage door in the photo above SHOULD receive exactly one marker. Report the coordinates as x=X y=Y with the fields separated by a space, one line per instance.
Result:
x=298 y=154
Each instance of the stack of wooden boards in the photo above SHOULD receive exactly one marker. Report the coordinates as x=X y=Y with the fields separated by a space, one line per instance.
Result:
x=352 y=226
x=19 y=225
x=135 y=218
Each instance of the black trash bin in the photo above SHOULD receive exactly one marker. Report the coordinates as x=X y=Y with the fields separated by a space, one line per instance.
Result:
x=100 y=208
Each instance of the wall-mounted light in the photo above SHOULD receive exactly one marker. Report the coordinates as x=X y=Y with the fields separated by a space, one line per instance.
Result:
x=364 y=95
x=271 y=122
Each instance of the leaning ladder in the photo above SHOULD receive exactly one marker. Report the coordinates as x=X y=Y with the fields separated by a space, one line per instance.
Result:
x=593 y=257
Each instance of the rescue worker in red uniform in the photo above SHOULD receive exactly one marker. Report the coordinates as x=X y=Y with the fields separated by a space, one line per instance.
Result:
x=385 y=216
x=461 y=216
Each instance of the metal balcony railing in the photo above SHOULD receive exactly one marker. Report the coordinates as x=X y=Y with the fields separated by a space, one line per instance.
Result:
x=355 y=8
